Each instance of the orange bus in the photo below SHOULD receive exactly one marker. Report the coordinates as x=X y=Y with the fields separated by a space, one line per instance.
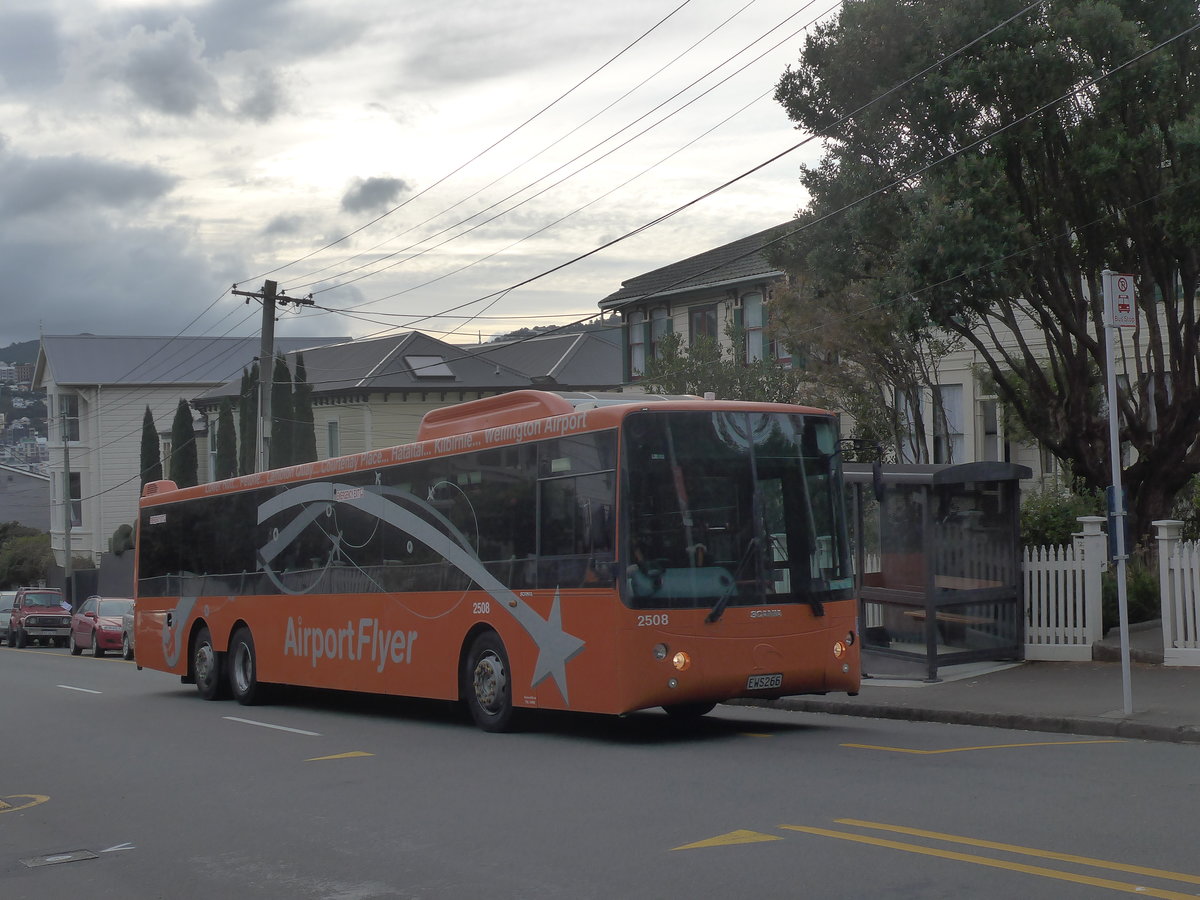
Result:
x=595 y=552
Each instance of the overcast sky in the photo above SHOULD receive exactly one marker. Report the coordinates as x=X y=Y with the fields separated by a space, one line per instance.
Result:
x=154 y=154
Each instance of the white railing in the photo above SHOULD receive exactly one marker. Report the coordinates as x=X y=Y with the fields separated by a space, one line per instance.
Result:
x=1062 y=596
x=1179 y=584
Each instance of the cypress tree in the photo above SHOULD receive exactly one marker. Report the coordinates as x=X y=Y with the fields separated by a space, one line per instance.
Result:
x=151 y=459
x=184 y=461
x=281 y=415
x=248 y=422
x=304 y=433
x=226 y=440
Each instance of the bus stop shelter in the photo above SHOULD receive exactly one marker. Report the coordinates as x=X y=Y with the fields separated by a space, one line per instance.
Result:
x=938 y=561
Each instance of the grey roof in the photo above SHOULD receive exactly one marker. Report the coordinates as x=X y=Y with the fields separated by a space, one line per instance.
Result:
x=591 y=358
x=741 y=260
x=393 y=363
x=88 y=359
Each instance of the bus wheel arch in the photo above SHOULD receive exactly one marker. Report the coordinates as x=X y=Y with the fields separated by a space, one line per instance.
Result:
x=485 y=680
x=205 y=664
x=242 y=667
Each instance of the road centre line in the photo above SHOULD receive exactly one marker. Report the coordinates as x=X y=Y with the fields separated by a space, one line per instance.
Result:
x=269 y=725
x=67 y=687
x=1055 y=874
x=1026 y=851
x=985 y=747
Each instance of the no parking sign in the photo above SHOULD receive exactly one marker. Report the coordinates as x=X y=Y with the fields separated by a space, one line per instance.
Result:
x=1120 y=299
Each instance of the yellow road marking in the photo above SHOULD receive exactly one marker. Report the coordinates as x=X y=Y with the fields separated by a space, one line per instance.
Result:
x=734 y=837
x=994 y=863
x=755 y=734
x=34 y=800
x=1027 y=851
x=985 y=747
x=351 y=755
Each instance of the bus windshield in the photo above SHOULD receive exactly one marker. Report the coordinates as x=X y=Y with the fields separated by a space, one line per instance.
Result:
x=732 y=509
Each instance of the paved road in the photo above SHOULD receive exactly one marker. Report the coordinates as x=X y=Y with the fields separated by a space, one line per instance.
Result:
x=118 y=783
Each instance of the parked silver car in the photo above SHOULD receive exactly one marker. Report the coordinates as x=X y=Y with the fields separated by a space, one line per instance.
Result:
x=127 y=623
x=6 y=605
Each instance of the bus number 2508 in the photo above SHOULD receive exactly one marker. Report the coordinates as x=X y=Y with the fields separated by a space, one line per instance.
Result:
x=656 y=619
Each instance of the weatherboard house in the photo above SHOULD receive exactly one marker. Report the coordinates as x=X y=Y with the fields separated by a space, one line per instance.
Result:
x=97 y=390
x=371 y=394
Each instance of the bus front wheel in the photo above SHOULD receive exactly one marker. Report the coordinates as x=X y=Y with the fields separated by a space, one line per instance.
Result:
x=243 y=669
x=486 y=683
x=206 y=666
x=689 y=710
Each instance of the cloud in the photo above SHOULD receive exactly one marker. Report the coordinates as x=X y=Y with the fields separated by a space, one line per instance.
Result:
x=30 y=54
x=62 y=183
x=373 y=194
x=265 y=97
x=166 y=70
x=284 y=225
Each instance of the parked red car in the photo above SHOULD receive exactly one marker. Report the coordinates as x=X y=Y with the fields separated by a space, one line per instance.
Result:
x=97 y=625
x=39 y=614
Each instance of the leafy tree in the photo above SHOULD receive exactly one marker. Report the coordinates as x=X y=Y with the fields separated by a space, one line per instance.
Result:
x=304 y=434
x=707 y=366
x=184 y=464
x=862 y=360
x=25 y=559
x=248 y=422
x=226 y=438
x=981 y=213
x=151 y=457
x=281 y=414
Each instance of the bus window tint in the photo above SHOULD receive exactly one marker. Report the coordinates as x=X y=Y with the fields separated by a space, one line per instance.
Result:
x=731 y=509
x=577 y=495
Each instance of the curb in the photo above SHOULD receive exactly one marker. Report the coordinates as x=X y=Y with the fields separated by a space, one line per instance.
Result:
x=1096 y=727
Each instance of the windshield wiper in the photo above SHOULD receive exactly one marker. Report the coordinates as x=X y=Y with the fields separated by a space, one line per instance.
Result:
x=719 y=607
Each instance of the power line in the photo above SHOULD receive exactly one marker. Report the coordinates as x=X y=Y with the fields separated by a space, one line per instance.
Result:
x=482 y=152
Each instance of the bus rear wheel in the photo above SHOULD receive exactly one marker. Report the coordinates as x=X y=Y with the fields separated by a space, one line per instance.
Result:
x=207 y=666
x=243 y=669
x=486 y=684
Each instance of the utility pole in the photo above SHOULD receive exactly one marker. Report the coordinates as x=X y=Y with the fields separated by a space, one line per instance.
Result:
x=266 y=361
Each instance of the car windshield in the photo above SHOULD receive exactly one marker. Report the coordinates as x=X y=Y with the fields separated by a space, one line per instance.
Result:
x=42 y=598
x=114 y=607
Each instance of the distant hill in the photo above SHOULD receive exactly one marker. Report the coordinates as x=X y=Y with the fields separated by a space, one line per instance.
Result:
x=599 y=325
x=23 y=352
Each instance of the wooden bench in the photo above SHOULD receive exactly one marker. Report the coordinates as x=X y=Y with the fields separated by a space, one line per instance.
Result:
x=955 y=618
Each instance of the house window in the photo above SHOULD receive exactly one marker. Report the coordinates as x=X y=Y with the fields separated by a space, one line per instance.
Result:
x=948 y=438
x=334 y=438
x=68 y=406
x=637 y=343
x=992 y=446
x=702 y=323
x=660 y=327
x=752 y=323
x=428 y=367
x=74 y=495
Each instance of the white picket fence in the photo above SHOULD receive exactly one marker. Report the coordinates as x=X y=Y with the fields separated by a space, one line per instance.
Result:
x=1179 y=583
x=1063 y=595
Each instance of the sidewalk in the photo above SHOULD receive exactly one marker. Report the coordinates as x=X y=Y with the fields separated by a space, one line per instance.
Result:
x=1061 y=697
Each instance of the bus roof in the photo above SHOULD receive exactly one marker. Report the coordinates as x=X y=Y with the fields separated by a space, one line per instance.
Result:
x=443 y=430
x=523 y=406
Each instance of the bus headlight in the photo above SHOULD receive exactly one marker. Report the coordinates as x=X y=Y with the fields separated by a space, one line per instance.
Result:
x=660 y=651
x=681 y=661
